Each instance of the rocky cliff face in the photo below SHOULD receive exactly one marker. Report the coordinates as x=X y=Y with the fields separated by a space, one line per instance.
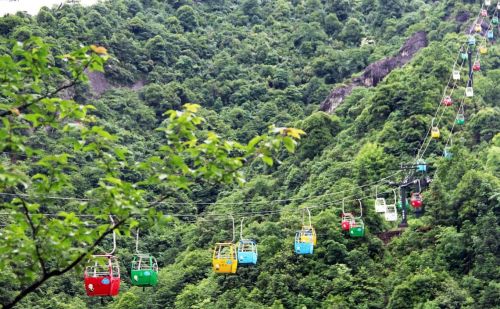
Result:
x=376 y=71
x=99 y=84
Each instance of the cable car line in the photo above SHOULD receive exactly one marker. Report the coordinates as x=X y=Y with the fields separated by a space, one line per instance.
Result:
x=225 y=215
x=447 y=85
x=418 y=156
x=172 y=203
x=461 y=107
x=219 y=203
x=416 y=199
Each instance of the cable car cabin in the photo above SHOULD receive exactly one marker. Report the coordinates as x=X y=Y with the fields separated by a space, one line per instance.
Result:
x=400 y=205
x=102 y=276
x=380 y=205
x=421 y=166
x=247 y=252
x=456 y=75
x=494 y=20
x=357 y=228
x=472 y=42
x=498 y=5
x=487 y=2
x=477 y=28
x=490 y=35
x=308 y=230
x=435 y=133
x=304 y=242
x=447 y=101
x=464 y=56
x=391 y=213
x=460 y=120
x=416 y=200
x=484 y=13
x=144 y=270
x=447 y=153
x=469 y=92
x=347 y=219
x=483 y=50
x=477 y=66
x=224 y=259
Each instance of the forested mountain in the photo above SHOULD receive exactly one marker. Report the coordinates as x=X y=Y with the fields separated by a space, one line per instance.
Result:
x=88 y=131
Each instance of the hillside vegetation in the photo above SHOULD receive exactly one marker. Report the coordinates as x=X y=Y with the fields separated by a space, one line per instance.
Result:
x=75 y=152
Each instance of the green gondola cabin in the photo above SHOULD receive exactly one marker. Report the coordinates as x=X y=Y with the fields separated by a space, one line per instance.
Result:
x=144 y=270
x=357 y=228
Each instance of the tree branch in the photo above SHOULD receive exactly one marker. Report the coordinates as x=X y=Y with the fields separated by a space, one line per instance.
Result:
x=73 y=82
x=58 y=272
x=34 y=231
x=24 y=106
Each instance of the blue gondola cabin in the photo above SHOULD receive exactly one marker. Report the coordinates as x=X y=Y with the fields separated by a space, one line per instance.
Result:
x=421 y=166
x=304 y=242
x=247 y=252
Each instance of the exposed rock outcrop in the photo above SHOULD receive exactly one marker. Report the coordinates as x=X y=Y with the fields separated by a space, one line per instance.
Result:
x=98 y=83
x=375 y=72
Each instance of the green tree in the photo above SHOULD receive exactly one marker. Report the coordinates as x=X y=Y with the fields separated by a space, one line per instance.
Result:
x=332 y=24
x=341 y=8
x=321 y=129
x=187 y=17
x=352 y=32
x=250 y=7
x=390 y=8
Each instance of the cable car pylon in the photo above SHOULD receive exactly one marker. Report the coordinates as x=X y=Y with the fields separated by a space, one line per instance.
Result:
x=408 y=182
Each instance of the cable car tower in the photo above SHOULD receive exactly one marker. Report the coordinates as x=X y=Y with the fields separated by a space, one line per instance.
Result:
x=419 y=181
x=470 y=82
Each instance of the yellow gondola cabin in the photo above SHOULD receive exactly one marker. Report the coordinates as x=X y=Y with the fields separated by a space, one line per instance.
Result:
x=224 y=259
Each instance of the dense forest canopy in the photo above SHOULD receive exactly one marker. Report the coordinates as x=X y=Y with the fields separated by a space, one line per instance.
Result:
x=177 y=117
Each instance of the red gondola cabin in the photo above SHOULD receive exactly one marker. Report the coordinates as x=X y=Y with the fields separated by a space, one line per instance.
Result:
x=102 y=277
x=416 y=200
x=447 y=101
x=347 y=219
x=477 y=66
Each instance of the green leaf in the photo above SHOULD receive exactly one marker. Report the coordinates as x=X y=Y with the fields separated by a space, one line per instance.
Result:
x=268 y=160
x=289 y=143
